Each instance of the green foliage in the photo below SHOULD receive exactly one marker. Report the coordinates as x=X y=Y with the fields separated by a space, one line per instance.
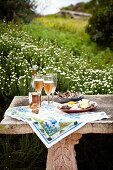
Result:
x=22 y=152
x=100 y=27
x=69 y=33
x=17 y=10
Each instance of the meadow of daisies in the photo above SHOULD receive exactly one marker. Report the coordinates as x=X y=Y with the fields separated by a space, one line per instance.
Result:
x=78 y=69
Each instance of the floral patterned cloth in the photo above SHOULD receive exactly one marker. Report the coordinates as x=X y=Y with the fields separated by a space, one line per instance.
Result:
x=51 y=125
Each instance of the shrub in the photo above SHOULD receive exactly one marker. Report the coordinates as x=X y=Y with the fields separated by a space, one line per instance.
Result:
x=100 y=25
x=17 y=10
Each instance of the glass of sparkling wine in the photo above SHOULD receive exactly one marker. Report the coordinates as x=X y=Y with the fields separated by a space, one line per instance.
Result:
x=54 y=85
x=48 y=85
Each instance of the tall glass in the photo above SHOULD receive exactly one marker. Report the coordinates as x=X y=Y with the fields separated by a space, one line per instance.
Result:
x=38 y=85
x=48 y=85
x=55 y=84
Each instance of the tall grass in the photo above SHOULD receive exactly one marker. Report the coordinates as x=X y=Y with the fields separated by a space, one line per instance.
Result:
x=64 y=23
x=70 y=33
x=22 y=152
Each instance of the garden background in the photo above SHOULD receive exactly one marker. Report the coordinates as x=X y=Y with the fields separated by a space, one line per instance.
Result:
x=79 y=50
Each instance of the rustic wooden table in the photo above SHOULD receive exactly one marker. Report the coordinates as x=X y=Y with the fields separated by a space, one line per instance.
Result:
x=62 y=156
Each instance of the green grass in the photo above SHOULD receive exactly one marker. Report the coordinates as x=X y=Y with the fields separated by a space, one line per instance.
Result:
x=22 y=152
x=70 y=33
x=64 y=24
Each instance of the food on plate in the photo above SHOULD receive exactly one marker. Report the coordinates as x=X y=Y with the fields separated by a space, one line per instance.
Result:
x=67 y=94
x=80 y=105
x=64 y=106
x=84 y=103
x=71 y=103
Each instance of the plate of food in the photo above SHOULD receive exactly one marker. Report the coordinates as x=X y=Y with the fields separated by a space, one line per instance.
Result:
x=77 y=106
x=68 y=96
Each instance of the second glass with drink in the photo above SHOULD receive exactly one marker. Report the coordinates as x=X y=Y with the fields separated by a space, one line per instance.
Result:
x=48 y=85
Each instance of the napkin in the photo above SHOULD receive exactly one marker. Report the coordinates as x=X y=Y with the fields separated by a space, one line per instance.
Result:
x=51 y=124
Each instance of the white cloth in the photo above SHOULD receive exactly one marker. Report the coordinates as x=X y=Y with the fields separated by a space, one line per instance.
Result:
x=51 y=125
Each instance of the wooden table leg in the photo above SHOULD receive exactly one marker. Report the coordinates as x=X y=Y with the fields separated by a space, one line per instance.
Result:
x=61 y=156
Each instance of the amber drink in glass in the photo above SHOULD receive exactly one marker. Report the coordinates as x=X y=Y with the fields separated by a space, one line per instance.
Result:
x=38 y=83
x=48 y=85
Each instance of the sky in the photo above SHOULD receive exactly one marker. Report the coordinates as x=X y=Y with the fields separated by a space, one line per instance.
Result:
x=53 y=6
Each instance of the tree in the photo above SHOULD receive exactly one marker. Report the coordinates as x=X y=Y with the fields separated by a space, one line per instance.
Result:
x=17 y=10
x=100 y=27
